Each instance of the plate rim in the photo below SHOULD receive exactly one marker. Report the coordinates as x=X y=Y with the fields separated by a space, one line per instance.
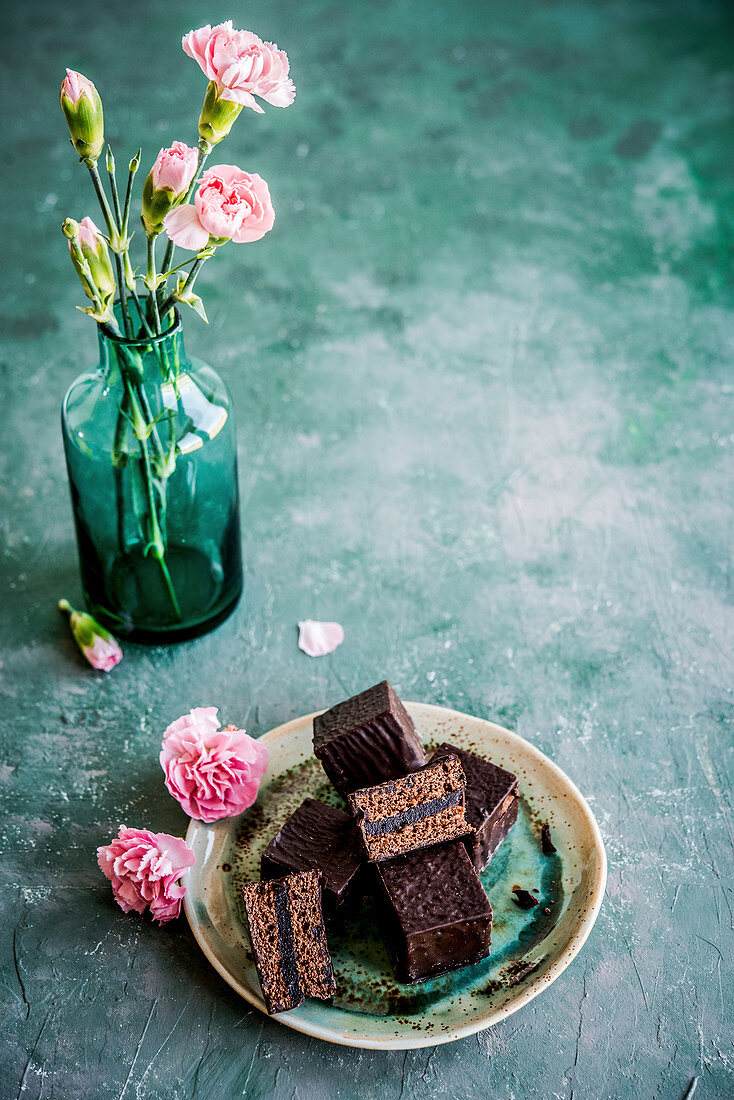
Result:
x=406 y=1042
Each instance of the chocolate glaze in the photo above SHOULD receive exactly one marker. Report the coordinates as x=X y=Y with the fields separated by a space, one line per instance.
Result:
x=367 y=739
x=438 y=917
x=545 y=840
x=491 y=802
x=322 y=837
x=524 y=898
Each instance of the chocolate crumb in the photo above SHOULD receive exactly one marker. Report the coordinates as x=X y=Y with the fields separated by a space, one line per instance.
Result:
x=524 y=898
x=545 y=840
x=226 y=867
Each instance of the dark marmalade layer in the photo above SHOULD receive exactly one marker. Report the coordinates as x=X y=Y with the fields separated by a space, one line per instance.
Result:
x=417 y=810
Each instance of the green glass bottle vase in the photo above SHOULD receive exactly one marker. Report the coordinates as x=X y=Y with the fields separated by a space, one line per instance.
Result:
x=152 y=460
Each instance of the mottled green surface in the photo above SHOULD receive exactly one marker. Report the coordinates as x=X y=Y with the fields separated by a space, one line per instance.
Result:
x=482 y=369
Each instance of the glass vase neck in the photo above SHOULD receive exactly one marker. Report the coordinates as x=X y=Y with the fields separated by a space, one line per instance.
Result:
x=149 y=357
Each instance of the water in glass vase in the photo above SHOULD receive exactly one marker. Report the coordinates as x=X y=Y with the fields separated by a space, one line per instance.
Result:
x=151 y=455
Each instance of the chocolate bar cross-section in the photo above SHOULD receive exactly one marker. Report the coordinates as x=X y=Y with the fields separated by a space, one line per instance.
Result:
x=420 y=809
x=289 y=940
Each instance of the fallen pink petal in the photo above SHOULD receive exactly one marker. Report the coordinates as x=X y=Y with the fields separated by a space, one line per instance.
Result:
x=317 y=639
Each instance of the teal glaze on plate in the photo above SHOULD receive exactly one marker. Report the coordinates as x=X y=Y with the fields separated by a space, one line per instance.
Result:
x=371 y=1007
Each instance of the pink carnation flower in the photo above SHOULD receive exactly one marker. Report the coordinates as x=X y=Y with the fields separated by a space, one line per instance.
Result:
x=175 y=168
x=229 y=205
x=241 y=65
x=212 y=772
x=145 y=870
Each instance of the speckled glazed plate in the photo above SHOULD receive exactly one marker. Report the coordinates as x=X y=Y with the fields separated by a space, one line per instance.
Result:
x=371 y=1009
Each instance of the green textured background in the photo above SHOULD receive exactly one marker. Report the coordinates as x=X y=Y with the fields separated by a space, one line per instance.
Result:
x=482 y=373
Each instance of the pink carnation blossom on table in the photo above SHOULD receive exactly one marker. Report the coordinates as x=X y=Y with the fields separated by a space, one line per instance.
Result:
x=229 y=205
x=241 y=65
x=103 y=654
x=175 y=168
x=317 y=639
x=212 y=772
x=145 y=870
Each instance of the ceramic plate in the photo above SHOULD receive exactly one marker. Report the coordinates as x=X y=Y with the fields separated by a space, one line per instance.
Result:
x=371 y=1009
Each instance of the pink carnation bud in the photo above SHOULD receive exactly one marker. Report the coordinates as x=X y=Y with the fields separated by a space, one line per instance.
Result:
x=175 y=168
x=82 y=109
x=167 y=184
x=75 y=85
x=212 y=772
x=97 y=644
x=145 y=870
x=95 y=252
x=90 y=236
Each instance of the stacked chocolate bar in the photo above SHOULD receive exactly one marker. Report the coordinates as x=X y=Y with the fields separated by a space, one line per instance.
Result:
x=416 y=834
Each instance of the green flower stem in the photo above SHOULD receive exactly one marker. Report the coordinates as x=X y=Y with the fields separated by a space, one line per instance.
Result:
x=168 y=254
x=119 y=455
x=167 y=257
x=119 y=460
x=141 y=313
x=112 y=230
x=188 y=285
x=179 y=267
x=111 y=328
x=123 y=297
x=134 y=165
x=85 y=274
x=143 y=406
x=153 y=295
x=167 y=373
x=156 y=544
x=120 y=506
x=104 y=204
x=113 y=188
